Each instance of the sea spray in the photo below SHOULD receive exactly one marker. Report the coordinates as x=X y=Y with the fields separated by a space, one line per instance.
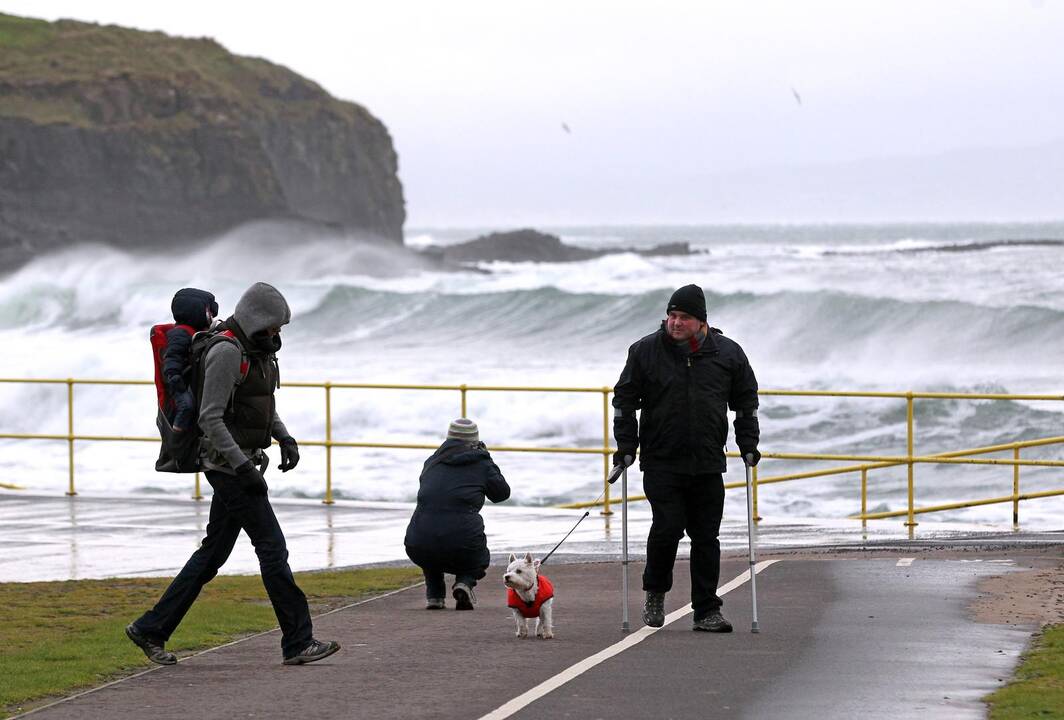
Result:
x=948 y=308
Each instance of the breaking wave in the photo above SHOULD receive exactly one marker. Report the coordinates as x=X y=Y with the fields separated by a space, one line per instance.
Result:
x=815 y=307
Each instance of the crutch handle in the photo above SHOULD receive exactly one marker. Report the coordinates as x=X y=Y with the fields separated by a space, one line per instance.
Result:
x=615 y=473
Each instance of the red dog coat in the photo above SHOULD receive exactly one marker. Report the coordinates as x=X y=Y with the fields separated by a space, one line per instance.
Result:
x=544 y=593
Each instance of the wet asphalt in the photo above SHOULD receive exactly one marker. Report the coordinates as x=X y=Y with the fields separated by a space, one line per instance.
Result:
x=841 y=637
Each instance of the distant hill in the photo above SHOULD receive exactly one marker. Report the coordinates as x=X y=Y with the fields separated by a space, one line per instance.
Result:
x=134 y=138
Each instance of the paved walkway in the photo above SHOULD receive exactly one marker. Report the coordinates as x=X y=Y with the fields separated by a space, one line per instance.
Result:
x=841 y=638
x=872 y=624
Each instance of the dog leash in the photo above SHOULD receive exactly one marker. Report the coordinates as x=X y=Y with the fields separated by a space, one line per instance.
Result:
x=586 y=513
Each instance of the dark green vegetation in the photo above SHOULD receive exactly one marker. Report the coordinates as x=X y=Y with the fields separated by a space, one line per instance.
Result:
x=138 y=139
x=61 y=56
x=1037 y=690
x=61 y=636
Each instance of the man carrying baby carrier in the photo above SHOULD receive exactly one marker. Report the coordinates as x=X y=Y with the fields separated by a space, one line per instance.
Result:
x=237 y=415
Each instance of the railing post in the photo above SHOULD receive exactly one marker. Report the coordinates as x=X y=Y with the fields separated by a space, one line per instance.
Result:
x=70 y=434
x=864 y=496
x=606 y=451
x=911 y=522
x=196 y=495
x=328 y=445
x=464 y=390
x=1016 y=488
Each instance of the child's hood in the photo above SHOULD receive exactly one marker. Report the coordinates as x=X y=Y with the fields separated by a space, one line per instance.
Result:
x=191 y=306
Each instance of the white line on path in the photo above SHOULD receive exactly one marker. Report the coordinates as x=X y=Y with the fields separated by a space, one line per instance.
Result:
x=586 y=664
x=905 y=562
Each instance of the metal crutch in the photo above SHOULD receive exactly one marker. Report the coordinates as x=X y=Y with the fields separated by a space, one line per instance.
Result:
x=751 y=534
x=624 y=547
x=622 y=469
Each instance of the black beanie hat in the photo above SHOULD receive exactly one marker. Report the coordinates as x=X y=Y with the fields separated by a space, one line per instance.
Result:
x=689 y=299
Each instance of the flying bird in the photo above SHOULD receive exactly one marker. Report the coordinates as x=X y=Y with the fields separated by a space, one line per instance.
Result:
x=797 y=97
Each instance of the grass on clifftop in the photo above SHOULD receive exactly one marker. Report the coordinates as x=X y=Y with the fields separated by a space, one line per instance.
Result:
x=58 y=637
x=18 y=32
x=73 y=72
x=1037 y=690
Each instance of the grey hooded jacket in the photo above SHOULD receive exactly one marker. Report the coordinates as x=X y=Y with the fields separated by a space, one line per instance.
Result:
x=262 y=306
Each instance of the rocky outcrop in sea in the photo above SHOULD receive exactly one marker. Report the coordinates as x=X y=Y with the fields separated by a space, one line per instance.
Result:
x=529 y=245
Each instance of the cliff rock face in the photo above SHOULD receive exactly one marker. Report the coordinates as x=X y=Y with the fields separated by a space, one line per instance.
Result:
x=138 y=139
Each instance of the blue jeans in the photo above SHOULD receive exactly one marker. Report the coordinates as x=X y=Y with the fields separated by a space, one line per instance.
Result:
x=466 y=564
x=233 y=510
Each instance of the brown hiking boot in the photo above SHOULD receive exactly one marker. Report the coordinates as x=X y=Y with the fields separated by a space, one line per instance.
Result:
x=714 y=622
x=317 y=650
x=155 y=651
x=654 y=609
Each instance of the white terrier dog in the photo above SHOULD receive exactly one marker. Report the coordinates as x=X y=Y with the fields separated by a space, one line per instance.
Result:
x=530 y=596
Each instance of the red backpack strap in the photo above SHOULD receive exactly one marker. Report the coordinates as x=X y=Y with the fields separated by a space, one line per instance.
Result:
x=245 y=364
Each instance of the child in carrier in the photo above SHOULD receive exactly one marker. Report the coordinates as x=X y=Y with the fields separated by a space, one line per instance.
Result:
x=193 y=310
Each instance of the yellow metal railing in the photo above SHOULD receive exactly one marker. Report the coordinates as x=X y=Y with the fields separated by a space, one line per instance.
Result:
x=865 y=464
x=464 y=390
x=329 y=443
x=872 y=462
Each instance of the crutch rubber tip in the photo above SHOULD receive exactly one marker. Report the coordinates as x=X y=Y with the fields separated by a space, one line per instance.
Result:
x=754 y=628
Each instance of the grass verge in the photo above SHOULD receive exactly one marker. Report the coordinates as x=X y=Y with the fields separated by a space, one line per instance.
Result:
x=58 y=637
x=1037 y=689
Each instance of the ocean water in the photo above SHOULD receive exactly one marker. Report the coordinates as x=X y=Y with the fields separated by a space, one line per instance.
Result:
x=959 y=308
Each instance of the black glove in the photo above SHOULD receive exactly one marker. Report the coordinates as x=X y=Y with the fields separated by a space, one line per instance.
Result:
x=289 y=454
x=619 y=466
x=250 y=479
x=185 y=405
x=751 y=457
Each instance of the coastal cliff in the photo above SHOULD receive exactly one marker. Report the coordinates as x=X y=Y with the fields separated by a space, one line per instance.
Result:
x=138 y=139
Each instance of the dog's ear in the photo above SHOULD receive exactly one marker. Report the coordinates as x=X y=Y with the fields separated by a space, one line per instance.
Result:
x=535 y=564
x=528 y=557
x=512 y=557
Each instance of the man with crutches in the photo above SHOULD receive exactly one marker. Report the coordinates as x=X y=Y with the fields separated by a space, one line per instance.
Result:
x=682 y=379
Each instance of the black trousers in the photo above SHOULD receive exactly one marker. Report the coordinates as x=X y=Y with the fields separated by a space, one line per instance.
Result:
x=691 y=503
x=233 y=510
x=466 y=564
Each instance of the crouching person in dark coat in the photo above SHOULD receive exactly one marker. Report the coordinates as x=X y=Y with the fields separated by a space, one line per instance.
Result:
x=446 y=532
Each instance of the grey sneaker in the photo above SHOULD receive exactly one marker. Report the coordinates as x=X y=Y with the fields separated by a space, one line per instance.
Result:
x=153 y=650
x=654 y=609
x=317 y=650
x=464 y=599
x=714 y=622
x=435 y=604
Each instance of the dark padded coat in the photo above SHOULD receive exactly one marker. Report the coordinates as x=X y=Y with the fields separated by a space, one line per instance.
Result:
x=684 y=398
x=450 y=497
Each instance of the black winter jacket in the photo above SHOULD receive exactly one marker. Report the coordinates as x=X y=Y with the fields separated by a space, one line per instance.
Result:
x=684 y=399
x=451 y=495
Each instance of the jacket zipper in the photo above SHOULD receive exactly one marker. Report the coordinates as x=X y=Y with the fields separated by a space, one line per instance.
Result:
x=690 y=414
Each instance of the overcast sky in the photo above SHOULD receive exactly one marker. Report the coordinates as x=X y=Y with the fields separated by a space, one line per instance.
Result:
x=667 y=102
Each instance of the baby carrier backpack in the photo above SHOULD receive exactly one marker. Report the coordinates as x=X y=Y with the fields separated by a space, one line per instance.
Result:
x=180 y=450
